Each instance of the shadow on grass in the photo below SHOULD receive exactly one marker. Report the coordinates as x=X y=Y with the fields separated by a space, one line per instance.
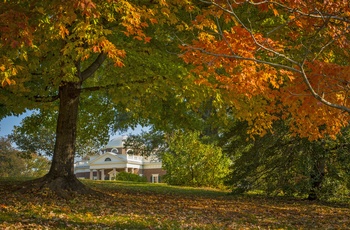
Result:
x=12 y=220
x=129 y=205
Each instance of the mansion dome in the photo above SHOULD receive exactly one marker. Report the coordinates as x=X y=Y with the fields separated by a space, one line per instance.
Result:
x=116 y=142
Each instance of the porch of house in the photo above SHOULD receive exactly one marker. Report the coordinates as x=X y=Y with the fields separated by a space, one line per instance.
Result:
x=110 y=173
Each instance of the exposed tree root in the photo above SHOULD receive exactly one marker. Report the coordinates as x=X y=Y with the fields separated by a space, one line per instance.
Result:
x=62 y=187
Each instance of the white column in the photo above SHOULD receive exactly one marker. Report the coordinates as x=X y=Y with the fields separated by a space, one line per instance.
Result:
x=132 y=170
x=98 y=174
x=126 y=169
x=102 y=174
x=91 y=174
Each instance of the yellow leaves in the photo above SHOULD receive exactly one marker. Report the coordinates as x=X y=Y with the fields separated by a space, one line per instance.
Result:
x=271 y=79
x=260 y=124
x=340 y=97
x=41 y=10
x=7 y=81
x=7 y=71
x=63 y=31
x=163 y=3
x=134 y=19
x=285 y=73
x=165 y=11
x=202 y=23
x=275 y=12
x=205 y=37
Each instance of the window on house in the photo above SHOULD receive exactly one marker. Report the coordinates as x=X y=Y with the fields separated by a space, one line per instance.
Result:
x=130 y=152
x=108 y=159
x=114 y=150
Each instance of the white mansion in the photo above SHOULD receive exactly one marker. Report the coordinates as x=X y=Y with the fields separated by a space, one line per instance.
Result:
x=115 y=158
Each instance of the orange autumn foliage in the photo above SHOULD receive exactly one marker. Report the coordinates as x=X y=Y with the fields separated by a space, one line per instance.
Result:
x=277 y=60
x=271 y=59
x=84 y=26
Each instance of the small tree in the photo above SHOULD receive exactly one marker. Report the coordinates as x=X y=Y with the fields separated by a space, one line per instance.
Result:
x=12 y=164
x=190 y=162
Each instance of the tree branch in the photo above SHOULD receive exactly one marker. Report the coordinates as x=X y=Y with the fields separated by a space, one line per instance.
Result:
x=96 y=88
x=89 y=71
x=244 y=58
x=317 y=96
x=45 y=99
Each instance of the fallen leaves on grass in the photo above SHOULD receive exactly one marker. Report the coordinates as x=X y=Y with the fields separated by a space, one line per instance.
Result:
x=149 y=206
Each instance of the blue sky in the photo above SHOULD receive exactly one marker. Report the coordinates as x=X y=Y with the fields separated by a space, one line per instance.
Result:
x=6 y=124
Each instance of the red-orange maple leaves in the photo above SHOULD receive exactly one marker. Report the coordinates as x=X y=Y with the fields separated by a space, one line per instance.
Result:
x=275 y=59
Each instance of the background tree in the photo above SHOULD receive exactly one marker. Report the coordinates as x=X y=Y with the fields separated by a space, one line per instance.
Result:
x=188 y=161
x=282 y=163
x=13 y=165
x=36 y=133
x=147 y=143
x=277 y=57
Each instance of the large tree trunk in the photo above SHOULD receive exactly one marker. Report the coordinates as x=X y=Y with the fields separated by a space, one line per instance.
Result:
x=61 y=179
x=64 y=151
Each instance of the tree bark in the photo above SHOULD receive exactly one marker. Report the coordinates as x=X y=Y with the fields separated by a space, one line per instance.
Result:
x=61 y=179
x=317 y=176
x=64 y=151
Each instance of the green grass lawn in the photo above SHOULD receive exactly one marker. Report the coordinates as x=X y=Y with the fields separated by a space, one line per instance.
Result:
x=126 y=205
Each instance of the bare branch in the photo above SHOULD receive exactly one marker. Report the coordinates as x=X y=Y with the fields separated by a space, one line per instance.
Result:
x=252 y=34
x=317 y=96
x=318 y=13
x=245 y=58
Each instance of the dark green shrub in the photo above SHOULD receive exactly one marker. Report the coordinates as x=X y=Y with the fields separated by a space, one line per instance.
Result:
x=125 y=176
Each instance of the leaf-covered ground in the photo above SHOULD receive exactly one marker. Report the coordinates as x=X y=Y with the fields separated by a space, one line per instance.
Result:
x=123 y=205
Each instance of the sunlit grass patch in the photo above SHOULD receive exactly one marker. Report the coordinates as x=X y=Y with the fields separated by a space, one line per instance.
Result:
x=160 y=188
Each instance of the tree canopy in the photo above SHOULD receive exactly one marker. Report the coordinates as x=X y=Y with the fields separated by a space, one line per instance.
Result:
x=92 y=58
x=282 y=164
x=277 y=59
x=92 y=66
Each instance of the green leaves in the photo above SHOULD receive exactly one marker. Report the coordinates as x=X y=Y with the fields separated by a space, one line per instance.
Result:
x=13 y=163
x=281 y=163
x=188 y=161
